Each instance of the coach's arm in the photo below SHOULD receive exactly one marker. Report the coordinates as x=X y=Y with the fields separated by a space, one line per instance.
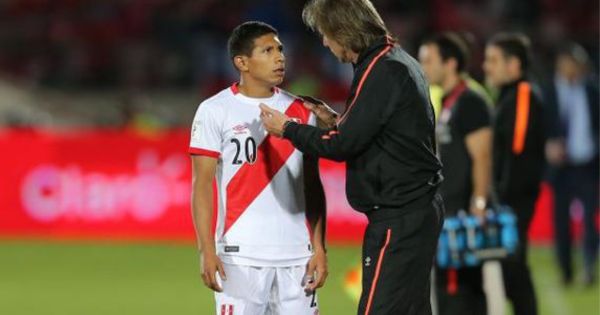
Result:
x=387 y=91
x=203 y=174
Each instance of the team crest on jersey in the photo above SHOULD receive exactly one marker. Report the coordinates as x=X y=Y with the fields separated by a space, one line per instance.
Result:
x=241 y=129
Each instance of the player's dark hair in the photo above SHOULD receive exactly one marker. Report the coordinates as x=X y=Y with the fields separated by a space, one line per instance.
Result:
x=241 y=40
x=355 y=24
x=514 y=45
x=451 y=46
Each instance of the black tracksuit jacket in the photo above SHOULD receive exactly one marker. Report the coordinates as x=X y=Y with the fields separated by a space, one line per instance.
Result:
x=386 y=134
x=517 y=172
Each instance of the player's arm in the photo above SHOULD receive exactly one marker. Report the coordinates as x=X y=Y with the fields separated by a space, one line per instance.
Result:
x=203 y=173
x=316 y=215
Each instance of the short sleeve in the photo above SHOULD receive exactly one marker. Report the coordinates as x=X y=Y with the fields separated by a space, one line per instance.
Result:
x=206 y=133
x=474 y=114
x=312 y=119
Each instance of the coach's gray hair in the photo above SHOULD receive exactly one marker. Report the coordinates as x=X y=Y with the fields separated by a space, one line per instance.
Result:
x=354 y=24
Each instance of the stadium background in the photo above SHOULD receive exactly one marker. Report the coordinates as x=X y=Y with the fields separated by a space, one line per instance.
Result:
x=95 y=102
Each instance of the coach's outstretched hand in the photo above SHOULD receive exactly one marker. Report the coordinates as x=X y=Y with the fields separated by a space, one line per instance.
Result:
x=326 y=116
x=316 y=271
x=273 y=120
x=210 y=264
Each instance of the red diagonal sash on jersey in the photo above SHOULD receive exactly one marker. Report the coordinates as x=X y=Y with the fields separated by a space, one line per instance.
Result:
x=251 y=179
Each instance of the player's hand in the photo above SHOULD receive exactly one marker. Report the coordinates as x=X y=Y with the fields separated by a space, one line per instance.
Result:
x=326 y=116
x=478 y=212
x=210 y=264
x=316 y=271
x=273 y=120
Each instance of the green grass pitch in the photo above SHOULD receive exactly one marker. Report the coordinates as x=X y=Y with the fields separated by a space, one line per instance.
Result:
x=91 y=278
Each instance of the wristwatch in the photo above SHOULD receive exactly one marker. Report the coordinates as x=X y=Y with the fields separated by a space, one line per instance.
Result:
x=479 y=202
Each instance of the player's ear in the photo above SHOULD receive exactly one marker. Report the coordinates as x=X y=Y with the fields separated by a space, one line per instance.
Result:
x=241 y=63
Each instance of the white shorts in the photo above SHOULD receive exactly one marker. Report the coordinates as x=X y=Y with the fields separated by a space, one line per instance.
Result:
x=252 y=290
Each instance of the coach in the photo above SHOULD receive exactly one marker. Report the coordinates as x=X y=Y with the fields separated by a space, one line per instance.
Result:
x=386 y=136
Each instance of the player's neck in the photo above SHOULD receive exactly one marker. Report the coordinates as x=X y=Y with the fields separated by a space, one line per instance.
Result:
x=255 y=90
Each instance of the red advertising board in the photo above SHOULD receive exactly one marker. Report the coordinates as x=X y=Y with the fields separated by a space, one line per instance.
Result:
x=110 y=184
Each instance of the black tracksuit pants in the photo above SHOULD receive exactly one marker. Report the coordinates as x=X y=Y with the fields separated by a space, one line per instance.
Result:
x=460 y=291
x=398 y=252
x=515 y=270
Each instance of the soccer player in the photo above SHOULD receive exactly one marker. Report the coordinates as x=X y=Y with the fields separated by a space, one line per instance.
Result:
x=267 y=255
x=464 y=137
x=517 y=152
x=387 y=138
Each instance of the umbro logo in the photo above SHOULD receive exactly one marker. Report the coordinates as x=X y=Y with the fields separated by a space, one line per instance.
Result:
x=240 y=129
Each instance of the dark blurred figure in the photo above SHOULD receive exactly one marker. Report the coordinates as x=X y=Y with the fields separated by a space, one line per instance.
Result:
x=518 y=153
x=464 y=139
x=572 y=152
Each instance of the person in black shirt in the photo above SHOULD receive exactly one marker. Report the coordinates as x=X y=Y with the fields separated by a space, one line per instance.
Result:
x=387 y=138
x=464 y=140
x=518 y=153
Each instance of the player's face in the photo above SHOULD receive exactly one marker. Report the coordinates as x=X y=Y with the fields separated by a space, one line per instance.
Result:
x=267 y=62
x=340 y=52
x=495 y=66
x=431 y=61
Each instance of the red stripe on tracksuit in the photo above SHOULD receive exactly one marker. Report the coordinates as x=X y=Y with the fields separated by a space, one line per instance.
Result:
x=251 y=179
x=378 y=270
x=362 y=81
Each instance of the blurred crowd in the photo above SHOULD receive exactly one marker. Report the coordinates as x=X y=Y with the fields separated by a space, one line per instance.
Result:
x=132 y=48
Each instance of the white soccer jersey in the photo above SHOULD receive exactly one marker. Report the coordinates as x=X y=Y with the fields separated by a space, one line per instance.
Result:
x=261 y=215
